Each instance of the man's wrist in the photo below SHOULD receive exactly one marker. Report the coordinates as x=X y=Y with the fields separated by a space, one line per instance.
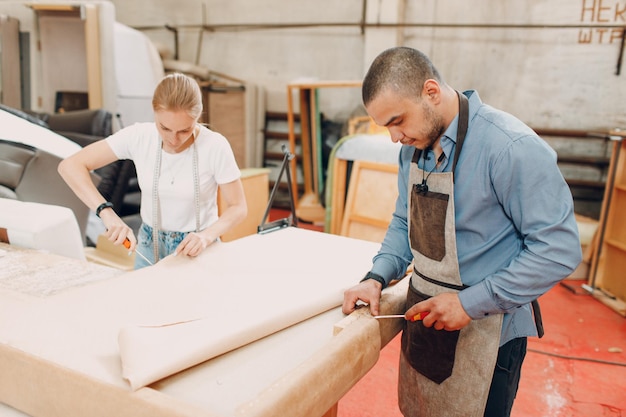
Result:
x=375 y=277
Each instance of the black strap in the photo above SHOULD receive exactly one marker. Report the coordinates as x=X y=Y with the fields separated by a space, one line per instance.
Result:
x=103 y=206
x=538 y=320
x=462 y=128
x=534 y=304
x=440 y=283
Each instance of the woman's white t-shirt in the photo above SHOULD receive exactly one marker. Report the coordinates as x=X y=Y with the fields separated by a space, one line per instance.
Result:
x=216 y=165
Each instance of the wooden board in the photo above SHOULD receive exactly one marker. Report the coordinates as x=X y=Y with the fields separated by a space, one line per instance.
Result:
x=10 y=77
x=337 y=195
x=106 y=253
x=609 y=261
x=373 y=147
x=372 y=195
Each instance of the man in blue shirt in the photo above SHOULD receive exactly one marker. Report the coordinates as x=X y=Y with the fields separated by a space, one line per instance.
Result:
x=487 y=220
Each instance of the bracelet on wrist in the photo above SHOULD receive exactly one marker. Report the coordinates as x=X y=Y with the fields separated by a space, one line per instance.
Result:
x=375 y=277
x=103 y=206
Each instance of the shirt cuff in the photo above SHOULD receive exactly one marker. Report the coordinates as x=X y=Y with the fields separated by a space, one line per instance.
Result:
x=375 y=277
x=477 y=301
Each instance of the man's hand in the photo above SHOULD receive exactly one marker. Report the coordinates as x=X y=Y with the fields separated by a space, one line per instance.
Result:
x=367 y=291
x=445 y=312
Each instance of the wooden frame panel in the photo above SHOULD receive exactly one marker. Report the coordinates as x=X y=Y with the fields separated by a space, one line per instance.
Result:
x=371 y=200
x=607 y=279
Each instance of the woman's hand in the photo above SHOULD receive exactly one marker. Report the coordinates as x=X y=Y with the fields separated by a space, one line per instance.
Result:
x=116 y=230
x=193 y=244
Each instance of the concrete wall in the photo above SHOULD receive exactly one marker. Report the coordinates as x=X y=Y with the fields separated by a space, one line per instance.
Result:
x=553 y=63
x=556 y=64
x=270 y=58
x=530 y=57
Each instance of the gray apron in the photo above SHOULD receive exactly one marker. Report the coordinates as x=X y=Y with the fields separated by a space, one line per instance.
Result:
x=442 y=373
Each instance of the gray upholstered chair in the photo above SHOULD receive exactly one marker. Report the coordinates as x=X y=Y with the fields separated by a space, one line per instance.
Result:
x=30 y=174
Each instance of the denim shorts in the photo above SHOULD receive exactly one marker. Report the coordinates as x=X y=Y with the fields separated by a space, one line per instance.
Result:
x=168 y=242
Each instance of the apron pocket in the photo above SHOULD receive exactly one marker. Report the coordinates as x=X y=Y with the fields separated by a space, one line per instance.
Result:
x=428 y=223
x=430 y=352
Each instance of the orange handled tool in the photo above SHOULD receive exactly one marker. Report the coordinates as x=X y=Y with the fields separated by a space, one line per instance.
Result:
x=418 y=316
x=127 y=246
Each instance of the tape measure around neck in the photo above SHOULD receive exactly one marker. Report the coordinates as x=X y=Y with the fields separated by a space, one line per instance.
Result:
x=156 y=206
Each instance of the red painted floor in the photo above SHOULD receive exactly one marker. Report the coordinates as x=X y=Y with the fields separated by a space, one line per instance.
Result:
x=578 y=369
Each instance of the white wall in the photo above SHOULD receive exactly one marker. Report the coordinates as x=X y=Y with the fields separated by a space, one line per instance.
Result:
x=546 y=76
x=270 y=58
x=549 y=77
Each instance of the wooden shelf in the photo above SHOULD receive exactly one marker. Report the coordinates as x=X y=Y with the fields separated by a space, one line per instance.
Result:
x=273 y=158
x=609 y=260
x=616 y=244
x=276 y=135
x=572 y=182
x=584 y=160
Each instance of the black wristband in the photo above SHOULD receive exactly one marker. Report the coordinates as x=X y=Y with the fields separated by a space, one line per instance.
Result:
x=103 y=206
x=375 y=277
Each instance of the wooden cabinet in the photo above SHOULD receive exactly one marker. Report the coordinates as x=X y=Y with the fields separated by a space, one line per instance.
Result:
x=607 y=279
x=71 y=44
x=224 y=112
x=232 y=108
x=256 y=188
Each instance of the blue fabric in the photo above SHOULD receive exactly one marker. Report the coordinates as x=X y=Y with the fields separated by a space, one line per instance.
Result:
x=516 y=232
x=168 y=241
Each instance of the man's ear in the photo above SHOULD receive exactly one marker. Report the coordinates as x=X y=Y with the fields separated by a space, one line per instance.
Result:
x=431 y=89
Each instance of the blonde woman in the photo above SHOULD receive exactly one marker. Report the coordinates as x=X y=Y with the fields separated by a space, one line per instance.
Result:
x=180 y=166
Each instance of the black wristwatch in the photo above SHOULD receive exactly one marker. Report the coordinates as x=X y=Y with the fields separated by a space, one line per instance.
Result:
x=375 y=277
x=103 y=206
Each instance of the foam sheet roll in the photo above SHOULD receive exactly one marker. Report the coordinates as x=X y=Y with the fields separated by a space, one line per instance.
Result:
x=236 y=293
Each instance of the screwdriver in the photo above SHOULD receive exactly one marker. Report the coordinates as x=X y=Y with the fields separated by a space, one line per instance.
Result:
x=127 y=246
x=418 y=316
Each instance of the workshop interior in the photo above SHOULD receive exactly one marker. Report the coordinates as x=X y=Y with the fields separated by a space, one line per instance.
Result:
x=84 y=334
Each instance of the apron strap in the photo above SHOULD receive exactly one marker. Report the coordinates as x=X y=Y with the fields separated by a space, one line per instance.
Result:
x=534 y=304
x=538 y=319
x=439 y=283
x=461 y=131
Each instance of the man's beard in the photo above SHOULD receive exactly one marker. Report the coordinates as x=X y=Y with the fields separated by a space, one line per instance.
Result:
x=436 y=125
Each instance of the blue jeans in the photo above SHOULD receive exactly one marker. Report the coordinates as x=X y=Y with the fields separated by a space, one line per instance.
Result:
x=168 y=242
